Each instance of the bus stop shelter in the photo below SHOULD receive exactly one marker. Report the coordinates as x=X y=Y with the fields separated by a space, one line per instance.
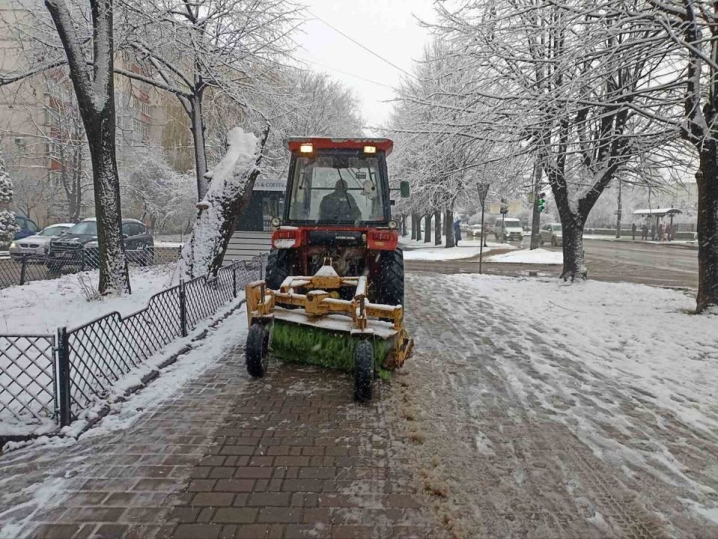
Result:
x=659 y=213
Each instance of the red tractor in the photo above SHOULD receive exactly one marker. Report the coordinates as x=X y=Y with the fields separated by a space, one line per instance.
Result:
x=338 y=207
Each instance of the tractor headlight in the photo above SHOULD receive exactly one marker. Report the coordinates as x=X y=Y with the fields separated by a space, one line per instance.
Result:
x=276 y=222
x=393 y=224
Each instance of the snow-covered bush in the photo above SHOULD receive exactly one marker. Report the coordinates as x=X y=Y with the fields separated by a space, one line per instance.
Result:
x=8 y=226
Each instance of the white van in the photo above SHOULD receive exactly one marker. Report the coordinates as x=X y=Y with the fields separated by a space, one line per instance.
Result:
x=508 y=230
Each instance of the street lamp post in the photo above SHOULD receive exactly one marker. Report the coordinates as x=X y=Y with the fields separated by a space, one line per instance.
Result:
x=483 y=191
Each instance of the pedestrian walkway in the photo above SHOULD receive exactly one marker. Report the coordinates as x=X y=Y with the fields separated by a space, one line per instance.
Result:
x=288 y=456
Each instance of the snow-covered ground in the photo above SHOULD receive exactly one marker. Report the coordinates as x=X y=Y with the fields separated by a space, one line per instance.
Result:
x=525 y=256
x=574 y=394
x=622 y=331
x=40 y=307
x=418 y=250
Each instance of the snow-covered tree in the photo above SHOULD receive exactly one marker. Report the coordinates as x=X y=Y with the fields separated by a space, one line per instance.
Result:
x=91 y=64
x=559 y=82
x=205 y=49
x=8 y=226
x=155 y=192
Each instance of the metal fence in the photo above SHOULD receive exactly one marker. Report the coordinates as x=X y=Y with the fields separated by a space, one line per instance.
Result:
x=56 y=377
x=21 y=269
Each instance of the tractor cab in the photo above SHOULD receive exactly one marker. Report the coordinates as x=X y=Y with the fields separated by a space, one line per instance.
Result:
x=337 y=207
x=342 y=183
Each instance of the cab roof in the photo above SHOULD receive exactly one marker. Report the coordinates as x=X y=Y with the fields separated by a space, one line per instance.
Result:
x=382 y=144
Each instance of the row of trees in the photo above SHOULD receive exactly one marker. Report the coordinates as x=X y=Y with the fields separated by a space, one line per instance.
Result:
x=573 y=94
x=225 y=61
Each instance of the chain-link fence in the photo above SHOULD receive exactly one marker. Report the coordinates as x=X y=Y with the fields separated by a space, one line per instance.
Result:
x=45 y=377
x=27 y=378
x=21 y=269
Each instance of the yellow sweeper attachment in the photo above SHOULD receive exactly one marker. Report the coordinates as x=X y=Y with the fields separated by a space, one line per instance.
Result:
x=306 y=322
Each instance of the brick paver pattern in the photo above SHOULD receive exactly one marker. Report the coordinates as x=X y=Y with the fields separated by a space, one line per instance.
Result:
x=287 y=456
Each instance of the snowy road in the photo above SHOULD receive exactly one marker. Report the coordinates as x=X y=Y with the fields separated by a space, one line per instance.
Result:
x=545 y=430
x=670 y=265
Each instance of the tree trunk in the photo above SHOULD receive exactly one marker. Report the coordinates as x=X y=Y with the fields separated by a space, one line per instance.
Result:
x=101 y=140
x=427 y=228
x=437 y=227
x=418 y=226
x=413 y=226
x=449 y=223
x=228 y=196
x=707 y=222
x=619 y=211
x=94 y=88
x=200 y=152
x=536 y=214
x=403 y=225
x=574 y=263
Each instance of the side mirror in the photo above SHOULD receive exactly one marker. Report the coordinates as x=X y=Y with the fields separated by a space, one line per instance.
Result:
x=405 y=189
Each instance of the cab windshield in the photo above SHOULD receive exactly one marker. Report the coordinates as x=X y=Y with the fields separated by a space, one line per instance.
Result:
x=336 y=189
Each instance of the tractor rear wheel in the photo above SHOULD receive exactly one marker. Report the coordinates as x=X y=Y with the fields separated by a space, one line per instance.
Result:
x=391 y=278
x=363 y=371
x=277 y=268
x=255 y=351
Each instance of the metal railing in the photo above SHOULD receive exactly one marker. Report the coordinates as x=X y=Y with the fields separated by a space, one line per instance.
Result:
x=21 y=269
x=56 y=377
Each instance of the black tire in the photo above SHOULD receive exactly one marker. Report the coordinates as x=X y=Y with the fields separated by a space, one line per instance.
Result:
x=541 y=242
x=255 y=352
x=363 y=371
x=277 y=268
x=554 y=242
x=390 y=277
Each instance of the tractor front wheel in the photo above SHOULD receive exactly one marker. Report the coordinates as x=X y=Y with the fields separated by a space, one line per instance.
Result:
x=277 y=268
x=391 y=278
x=255 y=351
x=363 y=371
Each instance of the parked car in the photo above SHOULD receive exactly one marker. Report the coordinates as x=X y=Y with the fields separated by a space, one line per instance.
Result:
x=508 y=230
x=27 y=227
x=78 y=246
x=551 y=233
x=36 y=247
x=476 y=231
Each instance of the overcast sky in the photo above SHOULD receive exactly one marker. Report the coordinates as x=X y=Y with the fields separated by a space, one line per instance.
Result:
x=388 y=27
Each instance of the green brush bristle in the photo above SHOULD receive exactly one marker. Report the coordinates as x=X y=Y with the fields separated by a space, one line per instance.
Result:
x=297 y=343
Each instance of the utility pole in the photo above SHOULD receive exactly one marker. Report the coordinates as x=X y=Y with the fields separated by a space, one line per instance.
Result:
x=618 y=212
x=536 y=215
x=483 y=191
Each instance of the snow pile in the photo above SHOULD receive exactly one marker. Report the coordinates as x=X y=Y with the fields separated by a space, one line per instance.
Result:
x=40 y=307
x=524 y=256
x=442 y=253
x=418 y=250
x=231 y=180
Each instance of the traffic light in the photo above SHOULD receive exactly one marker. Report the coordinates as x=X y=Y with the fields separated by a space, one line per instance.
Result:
x=504 y=207
x=542 y=203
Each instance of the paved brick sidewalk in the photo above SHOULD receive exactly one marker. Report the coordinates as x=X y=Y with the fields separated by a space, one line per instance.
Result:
x=120 y=484
x=288 y=456
x=298 y=458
